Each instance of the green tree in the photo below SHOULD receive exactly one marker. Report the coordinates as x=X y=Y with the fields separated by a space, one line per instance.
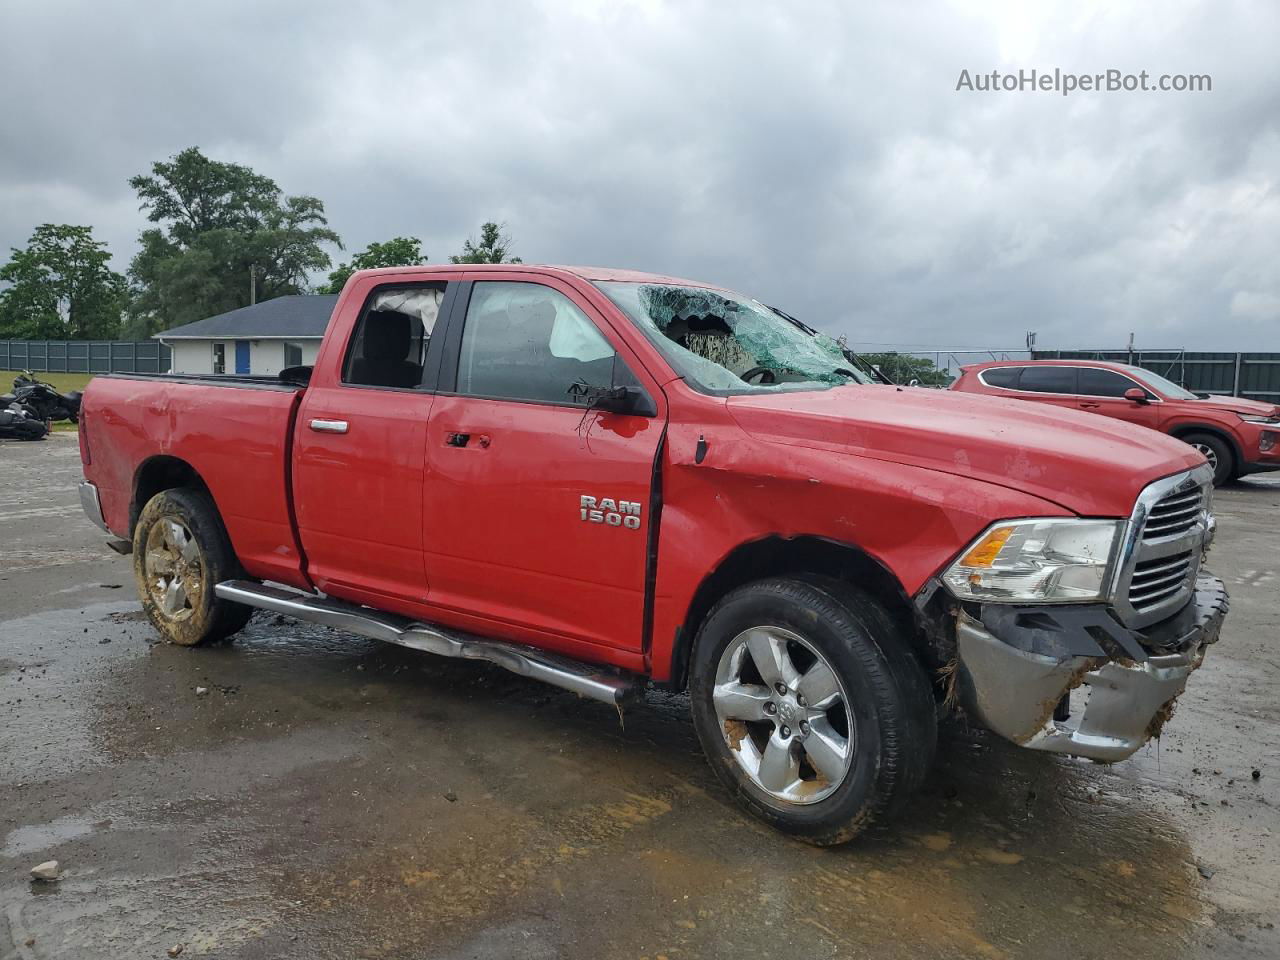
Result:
x=61 y=287
x=222 y=227
x=492 y=248
x=396 y=252
x=903 y=368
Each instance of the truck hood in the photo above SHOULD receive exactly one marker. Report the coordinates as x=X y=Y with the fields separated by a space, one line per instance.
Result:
x=1091 y=465
x=1252 y=408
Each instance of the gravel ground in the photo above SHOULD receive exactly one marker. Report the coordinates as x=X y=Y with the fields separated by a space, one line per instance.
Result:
x=327 y=796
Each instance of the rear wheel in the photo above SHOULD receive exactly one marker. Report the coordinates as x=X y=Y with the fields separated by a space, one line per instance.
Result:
x=1217 y=452
x=180 y=553
x=810 y=707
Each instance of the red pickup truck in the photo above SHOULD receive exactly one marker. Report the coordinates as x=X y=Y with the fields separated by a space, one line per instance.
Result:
x=604 y=479
x=1237 y=436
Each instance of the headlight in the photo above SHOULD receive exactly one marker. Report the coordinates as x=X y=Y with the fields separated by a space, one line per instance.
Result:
x=1251 y=418
x=1037 y=561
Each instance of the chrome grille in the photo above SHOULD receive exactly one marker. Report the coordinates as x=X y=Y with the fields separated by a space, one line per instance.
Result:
x=1155 y=581
x=1174 y=515
x=1160 y=558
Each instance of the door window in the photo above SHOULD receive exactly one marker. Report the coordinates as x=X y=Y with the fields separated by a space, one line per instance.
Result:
x=389 y=346
x=525 y=341
x=292 y=355
x=1050 y=379
x=1097 y=382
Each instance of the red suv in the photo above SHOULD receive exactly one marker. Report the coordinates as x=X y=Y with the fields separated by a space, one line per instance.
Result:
x=1237 y=436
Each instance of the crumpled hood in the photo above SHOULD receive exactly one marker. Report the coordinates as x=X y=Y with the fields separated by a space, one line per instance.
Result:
x=1092 y=465
x=1253 y=408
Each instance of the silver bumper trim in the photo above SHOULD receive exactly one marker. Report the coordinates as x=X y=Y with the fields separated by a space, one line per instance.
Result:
x=92 y=505
x=1014 y=692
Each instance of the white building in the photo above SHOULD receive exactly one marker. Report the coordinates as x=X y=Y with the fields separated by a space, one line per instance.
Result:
x=260 y=340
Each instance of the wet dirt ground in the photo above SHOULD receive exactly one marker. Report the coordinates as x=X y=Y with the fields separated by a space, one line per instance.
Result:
x=329 y=796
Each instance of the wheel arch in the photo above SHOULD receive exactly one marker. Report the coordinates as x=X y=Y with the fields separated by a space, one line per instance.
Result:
x=159 y=473
x=1181 y=430
x=777 y=556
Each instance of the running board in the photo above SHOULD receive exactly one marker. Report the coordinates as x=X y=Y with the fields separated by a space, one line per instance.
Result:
x=584 y=679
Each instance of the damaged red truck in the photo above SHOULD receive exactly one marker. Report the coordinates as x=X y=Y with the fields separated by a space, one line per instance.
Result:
x=604 y=479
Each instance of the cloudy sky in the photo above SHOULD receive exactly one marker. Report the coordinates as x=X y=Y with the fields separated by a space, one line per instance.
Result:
x=815 y=155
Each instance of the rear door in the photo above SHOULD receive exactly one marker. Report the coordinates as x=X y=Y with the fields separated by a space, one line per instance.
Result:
x=1102 y=391
x=1052 y=384
x=538 y=508
x=359 y=448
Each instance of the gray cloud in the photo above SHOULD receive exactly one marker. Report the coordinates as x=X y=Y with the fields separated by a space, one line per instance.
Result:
x=817 y=156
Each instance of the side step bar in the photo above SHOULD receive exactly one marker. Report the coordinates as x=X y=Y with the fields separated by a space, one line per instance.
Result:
x=584 y=679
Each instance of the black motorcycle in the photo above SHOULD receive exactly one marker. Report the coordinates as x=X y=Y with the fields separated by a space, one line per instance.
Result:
x=18 y=423
x=42 y=399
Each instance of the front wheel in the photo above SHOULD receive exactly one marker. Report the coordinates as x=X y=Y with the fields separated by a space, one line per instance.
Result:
x=180 y=553
x=811 y=707
x=1221 y=460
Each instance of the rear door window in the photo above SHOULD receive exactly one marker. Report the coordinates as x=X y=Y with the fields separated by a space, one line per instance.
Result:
x=389 y=346
x=1048 y=379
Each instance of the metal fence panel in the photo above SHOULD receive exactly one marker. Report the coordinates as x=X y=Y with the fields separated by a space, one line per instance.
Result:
x=1252 y=375
x=85 y=356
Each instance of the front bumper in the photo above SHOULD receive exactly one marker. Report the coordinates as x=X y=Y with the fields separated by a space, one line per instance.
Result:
x=1014 y=686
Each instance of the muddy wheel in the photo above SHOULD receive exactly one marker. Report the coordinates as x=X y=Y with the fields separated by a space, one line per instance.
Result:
x=1217 y=452
x=180 y=551
x=810 y=707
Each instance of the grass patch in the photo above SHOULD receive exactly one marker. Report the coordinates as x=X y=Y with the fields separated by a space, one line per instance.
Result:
x=62 y=382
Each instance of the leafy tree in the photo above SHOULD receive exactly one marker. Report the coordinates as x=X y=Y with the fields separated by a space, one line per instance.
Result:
x=396 y=252
x=492 y=248
x=61 y=287
x=903 y=368
x=220 y=224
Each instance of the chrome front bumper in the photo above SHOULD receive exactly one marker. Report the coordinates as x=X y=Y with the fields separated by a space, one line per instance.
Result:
x=1014 y=692
x=92 y=505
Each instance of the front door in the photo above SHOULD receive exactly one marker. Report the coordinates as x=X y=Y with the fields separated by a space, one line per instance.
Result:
x=538 y=509
x=1102 y=391
x=359 y=447
x=242 y=358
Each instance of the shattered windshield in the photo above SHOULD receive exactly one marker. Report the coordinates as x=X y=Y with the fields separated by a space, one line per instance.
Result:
x=721 y=341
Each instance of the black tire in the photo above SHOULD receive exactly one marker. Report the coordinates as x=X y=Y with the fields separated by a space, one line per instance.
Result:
x=200 y=557
x=893 y=728
x=1218 y=452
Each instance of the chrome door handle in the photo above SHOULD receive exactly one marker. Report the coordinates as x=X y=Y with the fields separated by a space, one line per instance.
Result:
x=329 y=426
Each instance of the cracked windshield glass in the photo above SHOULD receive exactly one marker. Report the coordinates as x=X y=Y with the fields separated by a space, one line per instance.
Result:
x=721 y=341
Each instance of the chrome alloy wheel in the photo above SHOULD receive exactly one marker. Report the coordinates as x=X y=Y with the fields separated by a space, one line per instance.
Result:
x=174 y=568
x=1209 y=454
x=784 y=714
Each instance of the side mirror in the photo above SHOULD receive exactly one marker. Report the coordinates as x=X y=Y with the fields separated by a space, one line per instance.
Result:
x=628 y=401
x=1136 y=394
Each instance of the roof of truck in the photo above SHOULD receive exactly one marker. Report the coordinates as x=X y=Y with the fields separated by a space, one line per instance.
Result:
x=586 y=273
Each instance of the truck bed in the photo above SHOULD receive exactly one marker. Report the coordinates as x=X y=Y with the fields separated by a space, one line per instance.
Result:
x=236 y=432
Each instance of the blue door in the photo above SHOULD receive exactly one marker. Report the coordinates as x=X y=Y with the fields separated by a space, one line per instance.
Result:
x=242 y=357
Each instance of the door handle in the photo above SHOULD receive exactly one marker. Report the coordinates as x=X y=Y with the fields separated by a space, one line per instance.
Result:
x=456 y=439
x=1090 y=406
x=329 y=426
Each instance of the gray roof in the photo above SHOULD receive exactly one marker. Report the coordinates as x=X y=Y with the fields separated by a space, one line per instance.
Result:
x=300 y=317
